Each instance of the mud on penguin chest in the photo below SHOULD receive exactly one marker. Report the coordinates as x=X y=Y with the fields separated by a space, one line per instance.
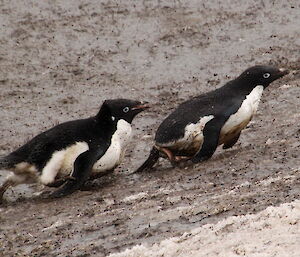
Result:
x=191 y=142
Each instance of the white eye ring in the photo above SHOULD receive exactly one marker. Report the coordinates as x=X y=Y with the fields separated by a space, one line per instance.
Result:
x=126 y=109
x=266 y=75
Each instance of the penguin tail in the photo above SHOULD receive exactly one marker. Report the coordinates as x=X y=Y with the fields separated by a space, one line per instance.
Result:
x=4 y=163
x=151 y=160
x=7 y=162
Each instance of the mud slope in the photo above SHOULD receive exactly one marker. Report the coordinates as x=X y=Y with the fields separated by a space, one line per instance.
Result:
x=60 y=60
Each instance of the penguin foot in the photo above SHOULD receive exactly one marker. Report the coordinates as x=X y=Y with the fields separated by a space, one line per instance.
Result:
x=174 y=159
x=168 y=153
x=69 y=187
x=60 y=181
x=182 y=158
x=196 y=159
x=178 y=161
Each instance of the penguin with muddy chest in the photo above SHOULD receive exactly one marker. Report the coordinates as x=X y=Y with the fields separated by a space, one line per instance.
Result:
x=195 y=129
x=72 y=152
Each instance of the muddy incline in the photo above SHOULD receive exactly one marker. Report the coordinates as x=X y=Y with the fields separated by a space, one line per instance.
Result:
x=60 y=61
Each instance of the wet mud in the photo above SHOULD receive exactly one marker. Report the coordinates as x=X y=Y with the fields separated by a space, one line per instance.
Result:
x=59 y=61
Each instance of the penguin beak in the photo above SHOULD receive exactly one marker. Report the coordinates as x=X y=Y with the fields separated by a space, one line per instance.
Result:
x=142 y=106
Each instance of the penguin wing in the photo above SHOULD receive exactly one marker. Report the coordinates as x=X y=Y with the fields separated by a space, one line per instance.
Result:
x=83 y=166
x=211 y=133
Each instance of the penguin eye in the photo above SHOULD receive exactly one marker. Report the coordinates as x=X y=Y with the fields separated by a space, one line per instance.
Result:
x=126 y=109
x=266 y=75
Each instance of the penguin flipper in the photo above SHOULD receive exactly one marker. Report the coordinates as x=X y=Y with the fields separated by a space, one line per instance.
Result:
x=211 y=134
x=230 y=143
x=151 y=160
x=83 y=166
x=59 y=182
x=3 y=163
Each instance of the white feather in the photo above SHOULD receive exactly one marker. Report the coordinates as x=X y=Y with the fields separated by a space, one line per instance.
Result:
x=52 y=167
x=241 y=118
x=115 y=153
x=71 y=153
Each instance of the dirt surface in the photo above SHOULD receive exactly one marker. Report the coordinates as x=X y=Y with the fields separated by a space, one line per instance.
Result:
x=60 y=60
x=271 y=232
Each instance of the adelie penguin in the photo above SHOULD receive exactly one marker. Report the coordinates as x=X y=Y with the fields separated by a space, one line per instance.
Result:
x=71 y=152
x=195 y=129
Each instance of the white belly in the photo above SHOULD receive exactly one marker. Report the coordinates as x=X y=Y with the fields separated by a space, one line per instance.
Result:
x=111 y=158
x=70 y=155
x=242 y=117
x=115 y=153
x=61 y=162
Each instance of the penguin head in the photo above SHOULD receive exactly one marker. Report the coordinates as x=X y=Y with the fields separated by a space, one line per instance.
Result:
x=263 y=75
x=124 y=109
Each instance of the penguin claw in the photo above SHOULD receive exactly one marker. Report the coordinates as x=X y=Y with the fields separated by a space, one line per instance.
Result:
x=179 y=161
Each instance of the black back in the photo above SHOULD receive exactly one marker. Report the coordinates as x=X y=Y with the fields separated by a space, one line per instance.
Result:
x=39 y=149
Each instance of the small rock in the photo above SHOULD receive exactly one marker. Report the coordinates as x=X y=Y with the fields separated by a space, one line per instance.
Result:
x=269 y=141
x=58 y=223
x=285 y=86
x=109 y=201
x=146 y=136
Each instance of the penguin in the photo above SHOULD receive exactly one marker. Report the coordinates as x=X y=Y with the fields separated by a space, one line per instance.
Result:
x=70 y=153
x=195 y=129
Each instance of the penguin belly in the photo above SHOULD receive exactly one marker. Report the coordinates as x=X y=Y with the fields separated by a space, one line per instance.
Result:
x=192 y=140
x=111 y=158
x=70 y=155
x=61 y=162
x=116 y=151
x=239 y=120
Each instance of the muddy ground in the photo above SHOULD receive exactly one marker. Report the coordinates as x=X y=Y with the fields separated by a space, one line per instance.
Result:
x=60 y=60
